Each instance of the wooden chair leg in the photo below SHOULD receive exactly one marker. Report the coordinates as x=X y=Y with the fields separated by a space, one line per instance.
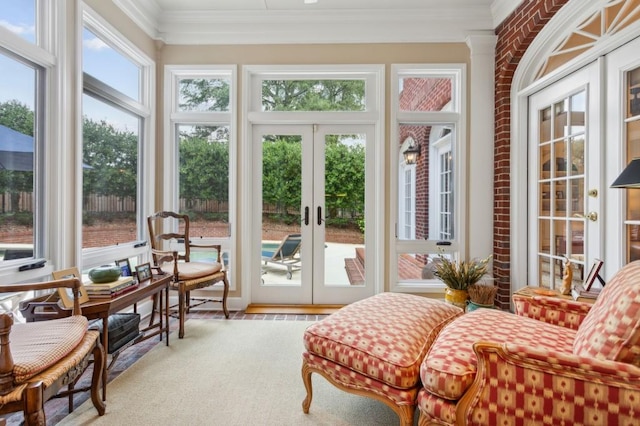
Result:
x=34 y=405
x=224 y=297
x=96 y=378
x=181 y=309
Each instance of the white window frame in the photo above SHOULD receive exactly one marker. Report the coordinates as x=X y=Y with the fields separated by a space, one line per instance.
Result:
x=455 y=115
x=174 y=73
x=43 y=54
x=146 y=154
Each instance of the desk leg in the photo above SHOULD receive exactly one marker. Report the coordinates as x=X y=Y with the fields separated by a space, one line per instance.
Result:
x=105 y=347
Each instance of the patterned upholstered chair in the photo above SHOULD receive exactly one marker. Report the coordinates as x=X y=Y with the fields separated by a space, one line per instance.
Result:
x=553 y=362
x=38 y=359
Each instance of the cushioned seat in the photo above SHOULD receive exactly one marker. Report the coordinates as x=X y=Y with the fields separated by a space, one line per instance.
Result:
x=375 y=347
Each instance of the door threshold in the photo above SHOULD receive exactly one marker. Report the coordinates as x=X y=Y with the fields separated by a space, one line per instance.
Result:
x=256 y=308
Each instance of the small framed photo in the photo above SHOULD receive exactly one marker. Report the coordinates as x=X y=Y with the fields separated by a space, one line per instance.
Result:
x=594 y=274
x=143 y=272
x=66 y=293
x=125 y=267
x=559 y=195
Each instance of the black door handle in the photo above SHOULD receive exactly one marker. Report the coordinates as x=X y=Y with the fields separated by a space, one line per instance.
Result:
x=306 y=215
x=319 y=215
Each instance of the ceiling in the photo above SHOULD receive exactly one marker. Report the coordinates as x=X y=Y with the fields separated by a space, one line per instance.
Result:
x=326 y=21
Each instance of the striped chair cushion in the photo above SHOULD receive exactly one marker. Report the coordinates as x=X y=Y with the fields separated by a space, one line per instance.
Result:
x=450 y=367
x=611 y=330
x=384 y=337
x=35 y=346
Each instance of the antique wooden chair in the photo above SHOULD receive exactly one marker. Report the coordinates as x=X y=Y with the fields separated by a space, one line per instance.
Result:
x=187 y=275
x=38 y=359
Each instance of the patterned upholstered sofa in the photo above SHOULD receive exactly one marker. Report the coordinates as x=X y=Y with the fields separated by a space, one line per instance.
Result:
x=553 y=362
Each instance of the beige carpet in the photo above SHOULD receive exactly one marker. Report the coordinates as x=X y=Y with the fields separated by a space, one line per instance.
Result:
x=228 y=373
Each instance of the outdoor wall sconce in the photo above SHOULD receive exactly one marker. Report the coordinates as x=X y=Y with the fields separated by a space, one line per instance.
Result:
x=411 y=153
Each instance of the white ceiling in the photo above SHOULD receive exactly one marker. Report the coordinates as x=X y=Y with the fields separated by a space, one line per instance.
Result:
x=327 y=21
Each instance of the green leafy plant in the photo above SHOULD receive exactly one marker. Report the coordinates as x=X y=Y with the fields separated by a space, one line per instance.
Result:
x=459 y=275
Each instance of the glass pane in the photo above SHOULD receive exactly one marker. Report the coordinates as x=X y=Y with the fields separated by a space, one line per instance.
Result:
x=110 y=174
x=100 y=60
x=545 y=125
x=313 y=95
x=416 y=266
x=344 y=210
x=281 y=203
x=633 y=242
x=19 y=17
x=17 y=146
x=577 y=156
x=204 y=179
x=203 y=94
x=578 y=113
x=576 y=197
x=426 y=189
x=560 y=120
x=426 y=94
x=633 y=93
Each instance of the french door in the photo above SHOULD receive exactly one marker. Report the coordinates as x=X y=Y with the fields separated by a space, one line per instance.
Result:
x=565 y=177
x=312 y=183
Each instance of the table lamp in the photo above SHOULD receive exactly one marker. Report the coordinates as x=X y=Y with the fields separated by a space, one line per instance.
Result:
x=630 y=176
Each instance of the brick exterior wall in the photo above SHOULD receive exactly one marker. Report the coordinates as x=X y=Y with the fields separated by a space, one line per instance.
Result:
x=515 y=35
x=422 y=94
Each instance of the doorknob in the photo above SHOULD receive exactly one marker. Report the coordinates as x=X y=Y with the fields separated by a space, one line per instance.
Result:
x=592 y=216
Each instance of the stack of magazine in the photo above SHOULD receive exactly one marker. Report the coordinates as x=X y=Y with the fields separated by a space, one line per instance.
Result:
x=110 y=290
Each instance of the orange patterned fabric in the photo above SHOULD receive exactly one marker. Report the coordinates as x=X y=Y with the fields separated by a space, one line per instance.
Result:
x=611 y=330
x=552 y=310
x=450 y=367
x=437 y=410
x=384 y=337
x=37 y=346
x=532 y=386
x=357 y=381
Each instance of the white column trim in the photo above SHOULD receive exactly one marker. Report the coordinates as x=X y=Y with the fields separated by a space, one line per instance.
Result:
x=481 y=144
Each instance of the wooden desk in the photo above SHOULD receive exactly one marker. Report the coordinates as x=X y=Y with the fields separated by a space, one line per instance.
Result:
x=99 y=308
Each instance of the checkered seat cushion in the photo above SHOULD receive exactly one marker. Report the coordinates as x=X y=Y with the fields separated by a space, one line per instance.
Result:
x=450 y=367
x=37 y=346
x=384 y=338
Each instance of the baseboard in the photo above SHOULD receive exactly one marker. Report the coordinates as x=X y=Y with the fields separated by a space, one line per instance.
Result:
x=255 y=308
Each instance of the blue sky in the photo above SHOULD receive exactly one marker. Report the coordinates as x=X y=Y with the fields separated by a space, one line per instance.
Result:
x=99 y=60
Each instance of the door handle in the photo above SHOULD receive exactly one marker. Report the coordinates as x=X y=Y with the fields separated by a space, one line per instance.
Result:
x=320 y=215
x=306 y=215
x=592 y=216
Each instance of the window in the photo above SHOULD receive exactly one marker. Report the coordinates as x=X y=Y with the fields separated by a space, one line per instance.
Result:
x=427 y=113
x=116 y=135
x=202 y=134
x=25 y=68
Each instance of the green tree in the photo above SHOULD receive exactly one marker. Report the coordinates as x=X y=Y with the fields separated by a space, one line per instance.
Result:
x=18 y=117
x=112 y=157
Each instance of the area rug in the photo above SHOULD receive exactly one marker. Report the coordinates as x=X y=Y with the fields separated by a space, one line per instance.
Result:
x=229 y=373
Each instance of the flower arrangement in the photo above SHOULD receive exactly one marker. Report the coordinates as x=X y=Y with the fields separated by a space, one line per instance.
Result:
x=459 y=275
x=482 y=294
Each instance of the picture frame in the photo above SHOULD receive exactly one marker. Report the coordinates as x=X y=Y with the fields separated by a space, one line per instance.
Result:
x=65 y=293
x=143 y=272
x=560 y=195
x=125 y=267
x=594 y=273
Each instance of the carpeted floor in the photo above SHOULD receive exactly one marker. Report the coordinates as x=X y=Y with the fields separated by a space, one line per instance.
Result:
x=228 y=373
x=57 y=409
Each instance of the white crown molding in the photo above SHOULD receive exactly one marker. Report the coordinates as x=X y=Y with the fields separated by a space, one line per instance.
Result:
x=145 y=13
x=500 y=9
x=444 y=24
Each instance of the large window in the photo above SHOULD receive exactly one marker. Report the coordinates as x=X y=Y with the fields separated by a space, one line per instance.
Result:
x=202 y=110
x=23 y=138
x=427 y=112
x=115 y=138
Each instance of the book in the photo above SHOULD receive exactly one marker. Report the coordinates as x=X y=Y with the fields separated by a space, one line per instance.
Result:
x=114 y=294
x=108 y=288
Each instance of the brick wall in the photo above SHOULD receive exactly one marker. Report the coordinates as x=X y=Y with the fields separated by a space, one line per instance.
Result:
x=515 y=35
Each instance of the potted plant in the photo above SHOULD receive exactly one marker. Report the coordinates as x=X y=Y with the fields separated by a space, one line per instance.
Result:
x=458 y=276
